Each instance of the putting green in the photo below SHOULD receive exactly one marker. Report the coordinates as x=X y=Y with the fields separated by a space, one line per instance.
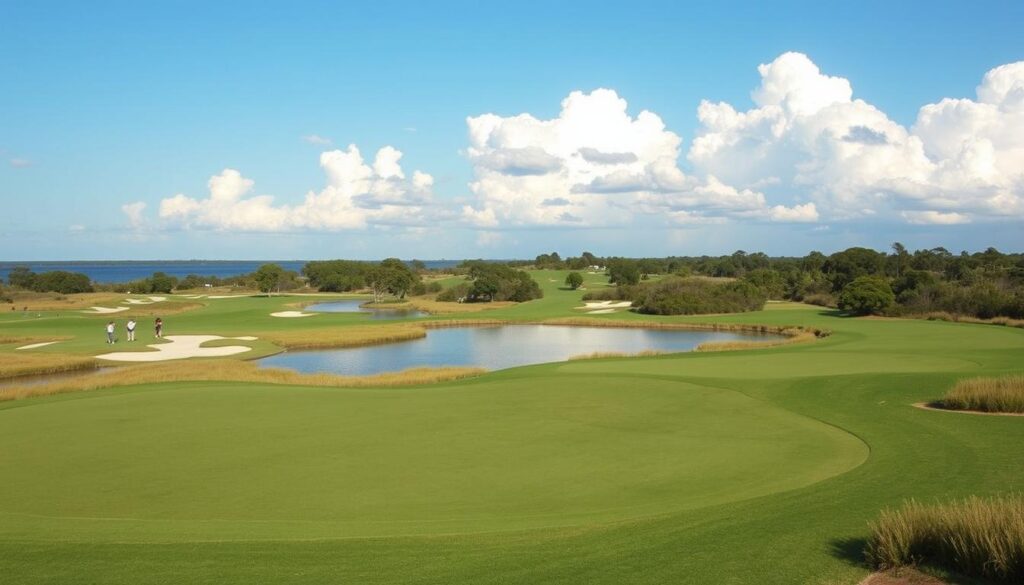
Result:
x=207 y=461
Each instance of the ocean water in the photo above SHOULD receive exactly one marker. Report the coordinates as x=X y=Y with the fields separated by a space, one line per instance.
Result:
x=126 y=271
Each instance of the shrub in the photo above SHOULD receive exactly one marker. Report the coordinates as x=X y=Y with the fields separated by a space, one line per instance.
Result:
x=975 y=537
x=61 y=281
x=681 y=296
x=1004 y=394
x=866 y=295
x=573 y=280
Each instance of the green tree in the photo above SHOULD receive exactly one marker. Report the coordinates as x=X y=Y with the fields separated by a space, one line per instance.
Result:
x=574 y=280
x=268 y=277
x=867 y=295
x=623 y=271
x=21 y=277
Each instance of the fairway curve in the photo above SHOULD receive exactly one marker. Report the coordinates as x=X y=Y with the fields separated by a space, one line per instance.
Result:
x=222 y=461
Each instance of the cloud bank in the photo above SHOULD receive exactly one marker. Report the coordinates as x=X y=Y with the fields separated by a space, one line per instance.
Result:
x=807 y=151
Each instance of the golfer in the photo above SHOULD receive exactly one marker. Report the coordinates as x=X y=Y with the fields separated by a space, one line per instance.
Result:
x=159 y=327
x=131 y=329
x=110 y=332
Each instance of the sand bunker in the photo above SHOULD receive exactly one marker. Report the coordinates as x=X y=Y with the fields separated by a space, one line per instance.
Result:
x=35 y=345
x=179 y=347
x=607 y=304
x=291 y=314
x=144 y=301
x=104 y=310
x=600 y=311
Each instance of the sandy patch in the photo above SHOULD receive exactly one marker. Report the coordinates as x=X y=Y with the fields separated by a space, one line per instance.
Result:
x=291 y=314
x=926 y=406
x=179 y=347
x=104 y=310
x=607 y=304
x=600 y=311
x=35 y=345
x=194 y=296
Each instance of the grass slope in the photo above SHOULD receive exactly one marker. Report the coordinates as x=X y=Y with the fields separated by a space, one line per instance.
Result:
x=735 y=467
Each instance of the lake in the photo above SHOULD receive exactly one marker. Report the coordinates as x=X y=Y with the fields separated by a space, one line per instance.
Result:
x=496 y=348
x=353 y=306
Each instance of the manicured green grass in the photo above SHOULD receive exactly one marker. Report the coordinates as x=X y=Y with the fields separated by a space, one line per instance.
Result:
x=759 y=467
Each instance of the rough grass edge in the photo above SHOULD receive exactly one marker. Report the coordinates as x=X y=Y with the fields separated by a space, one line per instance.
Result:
x=1002 y=394
x=227 y=370
x=981 y=537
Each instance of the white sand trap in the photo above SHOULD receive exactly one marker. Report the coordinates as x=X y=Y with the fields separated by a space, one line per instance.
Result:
x=179 y=347
x=600 y=311
x=35 y=345
x=194 y=296
x=291 y=314
x=158 y=299
x=608 y=304
x=137 y=302
x=104 y=310
x=226 y=296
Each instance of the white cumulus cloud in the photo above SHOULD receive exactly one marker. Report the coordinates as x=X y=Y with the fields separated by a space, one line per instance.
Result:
x=357 y=194
x=807 y=134
x=593 y=165
x=134 y=213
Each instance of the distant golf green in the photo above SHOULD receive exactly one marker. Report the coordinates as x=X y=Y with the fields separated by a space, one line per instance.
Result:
x=758 y=466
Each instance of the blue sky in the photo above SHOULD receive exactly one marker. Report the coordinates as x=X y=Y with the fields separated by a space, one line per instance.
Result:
x=124 y=104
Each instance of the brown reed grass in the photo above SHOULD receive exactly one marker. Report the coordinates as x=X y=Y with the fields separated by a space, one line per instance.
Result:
x=982 y=537
x=227 y=370
x=954 y=318
x=435 y=307
x=616 y=354
x=793 y=336
x=14 y=364
x=1002 y=394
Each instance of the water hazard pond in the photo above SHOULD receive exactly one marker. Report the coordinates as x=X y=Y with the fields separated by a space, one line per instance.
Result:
x=496 y=348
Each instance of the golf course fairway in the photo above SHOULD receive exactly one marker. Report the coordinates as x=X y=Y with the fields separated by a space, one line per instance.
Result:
x=206 y=461
x=760 y=466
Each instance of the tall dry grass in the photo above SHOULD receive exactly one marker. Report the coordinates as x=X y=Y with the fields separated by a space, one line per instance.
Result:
x=16 y=364
x=340 y=337
x=786 y=330
x=981 y=537
x=228 y=370
x=616 y=354
x=435 y=307
x=1003 y=394
x=792 y=336
x=944 y=316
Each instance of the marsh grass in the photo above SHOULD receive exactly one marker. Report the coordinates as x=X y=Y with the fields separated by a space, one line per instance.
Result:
x=792 y=336
x=943 y=316
x=435 y=307
x=982 y=537
x=233 y=371
x=1003 y=394
x=341 y=337
x=16 y=364
x=616 y=354
x=786 y=330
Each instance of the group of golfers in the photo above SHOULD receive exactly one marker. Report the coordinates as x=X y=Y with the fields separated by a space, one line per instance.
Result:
x=158 y=328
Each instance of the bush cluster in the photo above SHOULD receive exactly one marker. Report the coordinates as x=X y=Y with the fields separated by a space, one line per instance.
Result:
x=688 y=296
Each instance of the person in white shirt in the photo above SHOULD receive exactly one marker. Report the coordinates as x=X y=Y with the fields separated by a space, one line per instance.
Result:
x=131 y=329
x=110 y=332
